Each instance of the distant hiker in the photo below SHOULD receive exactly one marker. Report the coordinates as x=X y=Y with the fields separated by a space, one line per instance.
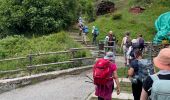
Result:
x=95 y=33
x=80 y=26
x=141 y=42
x=106 y=39
x=130 y=53
x=84 y=34
x=156 y=87
x=112 y=40
x=126 y=43
x=80 y=20
x=104 y=71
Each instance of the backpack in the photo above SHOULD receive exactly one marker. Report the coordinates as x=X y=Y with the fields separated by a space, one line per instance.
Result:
x=145 y=69
x=96 y=31
x=85 y=29
x=160 y=89
x=132 y=52
x=141 y=42
x=128 y=42
x=101 y=71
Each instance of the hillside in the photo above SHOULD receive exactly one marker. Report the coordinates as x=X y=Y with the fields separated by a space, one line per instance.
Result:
x=135 y=23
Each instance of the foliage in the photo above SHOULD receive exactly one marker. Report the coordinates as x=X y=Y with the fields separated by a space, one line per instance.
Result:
x=117 y=16
x=40 y=16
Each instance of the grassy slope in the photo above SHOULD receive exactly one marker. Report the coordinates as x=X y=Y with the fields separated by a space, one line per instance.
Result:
x=21 y=46
x=135 y=23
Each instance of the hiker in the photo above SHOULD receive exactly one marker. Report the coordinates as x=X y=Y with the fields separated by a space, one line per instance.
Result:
x=84 y=34
x=104 y=71
x=95 y=33
x=130 y=52
x=126 y=43
x=156 y=87
x=141 y=42
x=132 y=73
x=80 y=26
x=112 y=40
x=80 y=20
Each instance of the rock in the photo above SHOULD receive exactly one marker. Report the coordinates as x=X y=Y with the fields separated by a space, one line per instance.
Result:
x=105 y=7
x=136 y=9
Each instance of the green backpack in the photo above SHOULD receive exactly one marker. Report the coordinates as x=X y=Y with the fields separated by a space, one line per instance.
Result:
x=160 y=89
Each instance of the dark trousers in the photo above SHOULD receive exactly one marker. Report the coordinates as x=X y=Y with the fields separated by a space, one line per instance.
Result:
x=136 y=90
x=94 y=39
x=100 y=98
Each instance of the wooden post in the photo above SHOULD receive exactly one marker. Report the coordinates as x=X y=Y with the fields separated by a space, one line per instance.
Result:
x=30 y=63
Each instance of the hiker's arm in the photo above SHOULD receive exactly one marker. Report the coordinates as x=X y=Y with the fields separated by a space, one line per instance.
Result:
x=115 y=76
x=144 y=95
x=130 y=72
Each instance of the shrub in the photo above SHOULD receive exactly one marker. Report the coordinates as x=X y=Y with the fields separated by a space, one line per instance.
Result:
x=117 y=16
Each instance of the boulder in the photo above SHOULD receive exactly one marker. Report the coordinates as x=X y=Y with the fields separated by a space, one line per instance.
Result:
x=105 y=7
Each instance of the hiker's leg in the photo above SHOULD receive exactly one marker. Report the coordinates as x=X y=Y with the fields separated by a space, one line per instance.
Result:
x=93 y=39
x=100 y=98
x=85 y=39
x=136 y=89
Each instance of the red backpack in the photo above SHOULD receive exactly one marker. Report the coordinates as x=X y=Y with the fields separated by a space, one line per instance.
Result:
x=101 y=72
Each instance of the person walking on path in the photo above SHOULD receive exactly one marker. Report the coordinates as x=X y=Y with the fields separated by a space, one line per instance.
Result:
x=126 y=43
x=80 y=26
x=84 y=34
x=95 y=33
x=130 y=53
x=133 y=72
x=157 y=86
x=104 y=71
x=112 y=40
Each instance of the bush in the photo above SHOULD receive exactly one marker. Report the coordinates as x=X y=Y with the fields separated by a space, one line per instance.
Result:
x=41 y=16
x=117 y=16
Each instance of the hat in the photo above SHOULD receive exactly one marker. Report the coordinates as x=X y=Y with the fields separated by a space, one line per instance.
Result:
x=162 y=61
x=109 y=56
x=134 y=41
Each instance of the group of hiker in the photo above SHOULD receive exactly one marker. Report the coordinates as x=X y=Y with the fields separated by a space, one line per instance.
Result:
x=84 y=30
x=146 y=83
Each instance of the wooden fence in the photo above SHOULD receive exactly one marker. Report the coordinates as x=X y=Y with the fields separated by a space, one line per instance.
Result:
x=30 y=57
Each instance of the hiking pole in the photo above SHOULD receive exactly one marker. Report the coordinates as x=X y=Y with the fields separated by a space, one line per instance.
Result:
x=89 y=78
x=89 y=82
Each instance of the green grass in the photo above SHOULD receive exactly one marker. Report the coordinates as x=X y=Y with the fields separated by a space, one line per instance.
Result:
x=16 y=46
x=135 y=23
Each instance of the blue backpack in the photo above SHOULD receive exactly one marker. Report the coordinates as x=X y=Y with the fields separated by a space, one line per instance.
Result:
x=96 y=31
x=160 y=89
x=85 y=29
x=145 y=69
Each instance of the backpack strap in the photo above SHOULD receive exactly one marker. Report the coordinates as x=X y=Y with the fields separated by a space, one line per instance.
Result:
x=154 y=77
